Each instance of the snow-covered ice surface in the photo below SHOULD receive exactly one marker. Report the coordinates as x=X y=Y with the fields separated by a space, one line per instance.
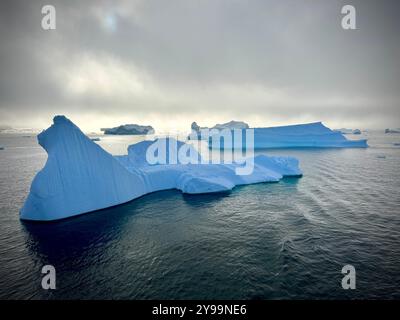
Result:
x=79 y=176
x=310 y=135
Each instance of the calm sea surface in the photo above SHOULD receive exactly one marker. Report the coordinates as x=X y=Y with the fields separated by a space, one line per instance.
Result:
x=266 y=241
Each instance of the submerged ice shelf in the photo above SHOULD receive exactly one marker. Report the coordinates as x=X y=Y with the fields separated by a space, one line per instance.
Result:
x=80 y=177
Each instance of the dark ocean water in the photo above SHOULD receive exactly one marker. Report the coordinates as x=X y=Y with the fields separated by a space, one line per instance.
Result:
x=267 y=241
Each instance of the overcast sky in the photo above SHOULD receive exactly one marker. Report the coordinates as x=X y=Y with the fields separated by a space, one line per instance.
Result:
x=168 y=63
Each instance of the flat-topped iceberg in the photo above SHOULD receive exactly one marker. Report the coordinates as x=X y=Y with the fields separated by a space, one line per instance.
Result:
x=310 y=135
x=129 y=129
x=80 y=177
x=392 y=130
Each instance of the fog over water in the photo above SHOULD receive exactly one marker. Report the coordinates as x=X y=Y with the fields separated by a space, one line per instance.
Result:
x=168 y=63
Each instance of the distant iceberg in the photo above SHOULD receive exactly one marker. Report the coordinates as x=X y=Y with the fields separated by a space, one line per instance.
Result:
x=5 y=128
x=348 y=131
x=80 y=177
x=392 y=131
x=231 y=125
x=344 y=130
x=8 y=130
x=129 y=129
x=310 y=135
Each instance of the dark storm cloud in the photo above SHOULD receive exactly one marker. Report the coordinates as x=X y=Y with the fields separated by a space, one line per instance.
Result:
x=263 y=58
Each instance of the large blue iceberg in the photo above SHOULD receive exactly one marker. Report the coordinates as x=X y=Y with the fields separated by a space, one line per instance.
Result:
x=80 y=177
x=309 y=135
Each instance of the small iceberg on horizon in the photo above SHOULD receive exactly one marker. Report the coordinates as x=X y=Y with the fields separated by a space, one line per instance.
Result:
x=129 y=129
x=79 y=176
x=231 y=125
x=344 y=130
x=392 y=130
x=347 y=131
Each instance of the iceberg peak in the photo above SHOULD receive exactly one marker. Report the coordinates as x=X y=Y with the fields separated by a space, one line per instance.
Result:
x=61 y=119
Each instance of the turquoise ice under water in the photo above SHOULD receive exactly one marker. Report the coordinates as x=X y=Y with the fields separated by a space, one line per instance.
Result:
x=264 y=241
